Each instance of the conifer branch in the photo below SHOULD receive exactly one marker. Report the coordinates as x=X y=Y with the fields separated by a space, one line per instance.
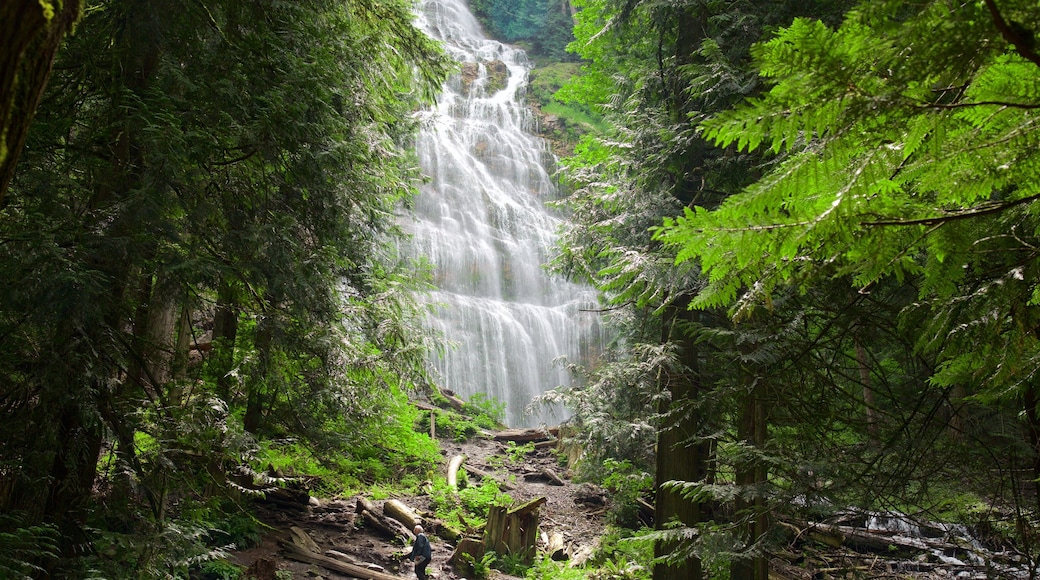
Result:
x=979 y=104
x=937 y=220
x=1014 y=33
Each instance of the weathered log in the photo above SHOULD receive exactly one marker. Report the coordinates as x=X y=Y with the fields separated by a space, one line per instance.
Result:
x=864 y=539
x=528 y=507
x=546 y=475
x=399 y=511
x=453 y=471
x=294 y=499
x=342 y=557
x=300 y=554
x=547 y=443
x=444 y=530
x=391 y=528
x=525 y=435
x=453 y=401
x=502 y=483
x=302 y=539
x=554 y=547
x=371 y=521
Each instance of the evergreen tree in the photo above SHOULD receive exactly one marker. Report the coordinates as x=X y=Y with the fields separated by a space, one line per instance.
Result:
x=905 y=160
x=239 y=159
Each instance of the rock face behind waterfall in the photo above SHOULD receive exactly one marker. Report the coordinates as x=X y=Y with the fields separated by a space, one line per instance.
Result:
x=483 y=223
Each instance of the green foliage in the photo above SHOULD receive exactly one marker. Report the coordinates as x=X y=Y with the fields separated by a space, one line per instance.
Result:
x=220 y=570
x=549 y=569
x=457 y=426
x=469 y=505
x=623 y=554
x=541 y=24
x=228 y=167
x=478 y=414
x=486 y=411
x=481 y=568
x=626 y=485
x=518 y=453
x=21 y=546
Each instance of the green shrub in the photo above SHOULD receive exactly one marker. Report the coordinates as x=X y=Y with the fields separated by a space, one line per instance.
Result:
x=220 y=570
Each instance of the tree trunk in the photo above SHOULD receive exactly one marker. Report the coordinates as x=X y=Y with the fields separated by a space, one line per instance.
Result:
x=225 y=332
x=677 y=458
x=751 y=477
x=29 y=41
x=868 y=390
x=254 y=417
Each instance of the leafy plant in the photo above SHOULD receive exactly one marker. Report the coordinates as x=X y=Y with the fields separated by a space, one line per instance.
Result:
x=626 y=484
x=220 y=570
x=481 y=568
x=468 y=506
x=518 y=453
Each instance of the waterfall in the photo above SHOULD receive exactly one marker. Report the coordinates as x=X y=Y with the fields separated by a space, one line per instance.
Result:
x=483 y=224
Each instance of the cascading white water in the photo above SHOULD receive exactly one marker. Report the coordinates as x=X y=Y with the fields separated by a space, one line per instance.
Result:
x=483 y=224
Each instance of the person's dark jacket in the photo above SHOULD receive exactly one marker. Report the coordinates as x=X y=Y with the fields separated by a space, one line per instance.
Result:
x=421 y=547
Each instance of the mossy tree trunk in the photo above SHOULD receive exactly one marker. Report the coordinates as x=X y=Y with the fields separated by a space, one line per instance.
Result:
x=30 y=34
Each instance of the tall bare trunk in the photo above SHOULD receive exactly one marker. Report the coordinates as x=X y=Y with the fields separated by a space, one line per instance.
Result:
x=752 y=476
x=868 y=389
x=678 y=459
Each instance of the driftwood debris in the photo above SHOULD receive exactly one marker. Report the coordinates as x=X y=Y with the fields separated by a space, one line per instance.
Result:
x=453 y=400
x=453 y=471
x=554 y=546
x=513 y=531
x=388 y=527
x=304 y=549
x=397 y=510
x=527 y=435
x=502 y=483
x=545 y=475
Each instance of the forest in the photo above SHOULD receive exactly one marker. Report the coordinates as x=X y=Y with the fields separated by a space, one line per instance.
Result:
x=812 y=227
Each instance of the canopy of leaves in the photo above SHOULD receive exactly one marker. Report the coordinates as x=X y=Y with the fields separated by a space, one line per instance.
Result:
x=907 y=147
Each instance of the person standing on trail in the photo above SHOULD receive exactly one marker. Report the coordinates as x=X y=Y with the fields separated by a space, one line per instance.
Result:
x=422 y=553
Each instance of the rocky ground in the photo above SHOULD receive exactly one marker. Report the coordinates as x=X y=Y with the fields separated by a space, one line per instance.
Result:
x=856 y=546
x=574 y=511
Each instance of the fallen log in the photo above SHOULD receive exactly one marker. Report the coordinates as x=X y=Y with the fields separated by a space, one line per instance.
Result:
x=546 y=474
x=302 y=555
x=453 y=401
x=303 y=540
x=547 y=443
x=397 y=510
x=453 y=471
x=371 y=521
x=554 y=547
x=526 y=435
x=502 y=483
x=866 y=540
x=445 y=531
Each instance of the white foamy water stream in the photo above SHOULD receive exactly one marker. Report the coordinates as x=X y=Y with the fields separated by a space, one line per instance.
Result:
x=483 y=224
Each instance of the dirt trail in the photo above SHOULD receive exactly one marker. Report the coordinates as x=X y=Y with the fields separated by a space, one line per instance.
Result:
x=334 y=525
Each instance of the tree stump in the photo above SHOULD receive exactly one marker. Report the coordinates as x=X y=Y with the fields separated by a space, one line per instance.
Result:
x=513 y=531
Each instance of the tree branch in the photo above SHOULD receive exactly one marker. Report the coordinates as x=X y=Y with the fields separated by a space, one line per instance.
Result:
x=978 y=104
x=1014 y=34
x=937 y=220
